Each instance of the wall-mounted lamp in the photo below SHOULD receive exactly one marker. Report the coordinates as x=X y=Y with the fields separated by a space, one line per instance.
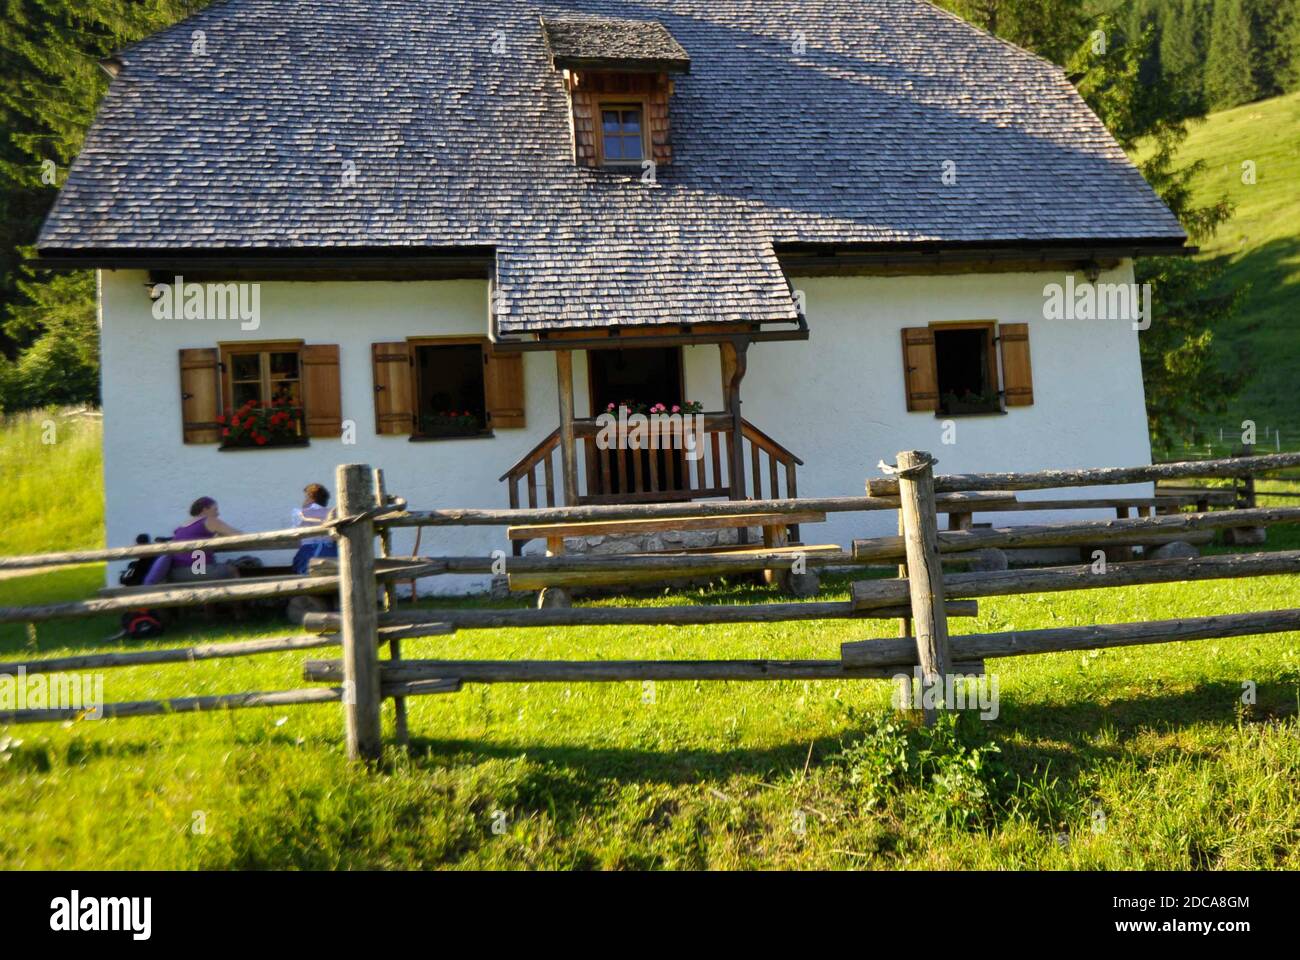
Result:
x=1092 y=270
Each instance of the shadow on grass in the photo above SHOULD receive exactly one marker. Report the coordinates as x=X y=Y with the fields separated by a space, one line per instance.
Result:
x=1036 y=741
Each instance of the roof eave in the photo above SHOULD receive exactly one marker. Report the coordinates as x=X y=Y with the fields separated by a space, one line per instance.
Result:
x=959 y=251
x=622 y=64
x=470 y=262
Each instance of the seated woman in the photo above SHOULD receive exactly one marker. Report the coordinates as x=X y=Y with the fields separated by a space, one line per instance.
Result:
x=185 y=566
x=313 y=512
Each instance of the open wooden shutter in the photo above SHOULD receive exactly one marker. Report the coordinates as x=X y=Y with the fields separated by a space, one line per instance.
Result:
x=920 y=370
x=200 y=395
x=322 y=394
x=394 y=396
x=1017 y=375
x=504 y=383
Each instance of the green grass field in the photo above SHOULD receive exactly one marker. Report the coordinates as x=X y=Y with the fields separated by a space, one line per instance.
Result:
x=1261 y=246
x=1129 y=758
x=1121 y=759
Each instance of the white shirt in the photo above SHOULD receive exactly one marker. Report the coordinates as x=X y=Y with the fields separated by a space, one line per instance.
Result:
x=311 y=516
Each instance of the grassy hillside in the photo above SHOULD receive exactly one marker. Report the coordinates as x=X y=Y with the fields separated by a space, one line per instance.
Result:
x=1261 y=246
x=51 y=482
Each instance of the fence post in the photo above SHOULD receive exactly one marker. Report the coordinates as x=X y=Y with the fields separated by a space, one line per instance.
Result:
x=925 y=572
x=1244 y=487
x=904 y=630
x=388 y=601
x=358 y=605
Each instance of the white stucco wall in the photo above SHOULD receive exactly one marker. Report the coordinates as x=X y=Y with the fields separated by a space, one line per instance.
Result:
x=836 y=400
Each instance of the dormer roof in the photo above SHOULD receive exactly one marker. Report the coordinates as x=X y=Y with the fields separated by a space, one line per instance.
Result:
x=609 y=43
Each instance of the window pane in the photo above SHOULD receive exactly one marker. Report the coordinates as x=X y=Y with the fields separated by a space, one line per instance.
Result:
x=284 y=365
x=244 y=392
x=621 y=133
x=246 y=366
x=285 y=391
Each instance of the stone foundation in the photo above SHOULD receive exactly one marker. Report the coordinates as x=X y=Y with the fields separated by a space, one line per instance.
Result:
x=669 y=541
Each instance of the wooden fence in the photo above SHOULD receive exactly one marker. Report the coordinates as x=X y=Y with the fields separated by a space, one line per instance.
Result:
x=924 y=597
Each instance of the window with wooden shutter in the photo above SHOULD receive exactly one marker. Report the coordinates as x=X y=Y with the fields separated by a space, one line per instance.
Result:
x=322 y=392
x=200 y=395
x=966 y=367
x=920 y=375
x=505 y=389
x=1017 y=375
x=394 y=393
x=263 y=391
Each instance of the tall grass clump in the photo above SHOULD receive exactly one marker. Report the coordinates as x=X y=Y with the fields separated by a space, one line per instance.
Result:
x=51 y=481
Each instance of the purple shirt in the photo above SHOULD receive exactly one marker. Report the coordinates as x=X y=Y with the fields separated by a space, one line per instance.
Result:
x=194 y=530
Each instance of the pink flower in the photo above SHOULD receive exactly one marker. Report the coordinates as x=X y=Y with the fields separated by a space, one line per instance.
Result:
x=610 y=407
x=676 y=409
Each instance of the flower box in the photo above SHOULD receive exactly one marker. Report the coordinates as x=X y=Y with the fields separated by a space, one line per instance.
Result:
x=450 y=425
x=256 y=425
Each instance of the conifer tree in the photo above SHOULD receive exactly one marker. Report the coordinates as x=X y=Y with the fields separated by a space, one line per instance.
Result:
x=1229 y=65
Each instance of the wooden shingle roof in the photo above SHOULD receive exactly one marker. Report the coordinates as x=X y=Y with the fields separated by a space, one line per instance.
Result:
x=363 y=124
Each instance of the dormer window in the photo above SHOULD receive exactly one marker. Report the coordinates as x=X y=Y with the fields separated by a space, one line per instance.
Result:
x=622 y=134
x=617 y=73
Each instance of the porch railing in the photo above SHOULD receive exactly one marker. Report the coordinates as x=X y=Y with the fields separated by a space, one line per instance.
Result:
x=636 y=473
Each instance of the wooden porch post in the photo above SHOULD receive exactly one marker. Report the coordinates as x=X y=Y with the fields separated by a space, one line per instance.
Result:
x=734 y=362
x=568 y=448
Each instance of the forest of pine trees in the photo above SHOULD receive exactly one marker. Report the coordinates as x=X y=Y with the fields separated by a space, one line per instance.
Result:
x=1228 y=52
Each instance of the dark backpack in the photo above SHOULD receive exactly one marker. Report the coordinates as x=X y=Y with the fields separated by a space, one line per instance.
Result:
x=139 y=568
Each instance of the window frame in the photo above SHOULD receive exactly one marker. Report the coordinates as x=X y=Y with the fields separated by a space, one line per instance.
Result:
x=414 y=344
x=622 y=102
x=228 y=350
x=993 y=365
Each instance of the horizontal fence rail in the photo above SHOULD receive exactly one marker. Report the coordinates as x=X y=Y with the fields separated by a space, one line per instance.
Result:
x=870 y=594
x=1132 y=530
x=646 y=511
x=700 y=615
x=1047 y=479
x=613 y=671
x=271 y=540
x=147 y=708
x=1017 y=643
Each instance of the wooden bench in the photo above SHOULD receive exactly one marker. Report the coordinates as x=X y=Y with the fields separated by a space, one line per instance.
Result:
x=296 y=606
x=775 y=526
x=552 y=532
x=264 y=573
x=663 y=568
